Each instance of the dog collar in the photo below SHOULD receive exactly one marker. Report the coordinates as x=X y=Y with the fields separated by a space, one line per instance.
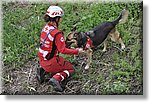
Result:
x=88 y=43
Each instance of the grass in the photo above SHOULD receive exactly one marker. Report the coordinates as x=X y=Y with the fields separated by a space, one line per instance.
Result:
x=22 y=24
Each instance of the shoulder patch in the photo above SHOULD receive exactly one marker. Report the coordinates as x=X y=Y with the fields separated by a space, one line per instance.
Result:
x=62 y=39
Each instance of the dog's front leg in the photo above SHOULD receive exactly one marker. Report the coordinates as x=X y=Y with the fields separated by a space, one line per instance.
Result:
x=89 y=59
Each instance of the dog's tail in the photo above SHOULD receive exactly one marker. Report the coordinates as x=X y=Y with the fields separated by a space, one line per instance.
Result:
x=122 y=17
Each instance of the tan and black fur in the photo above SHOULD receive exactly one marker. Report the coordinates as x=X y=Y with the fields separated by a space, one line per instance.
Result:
x=98 y=35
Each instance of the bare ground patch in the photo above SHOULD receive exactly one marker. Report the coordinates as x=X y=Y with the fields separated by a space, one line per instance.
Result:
x=96 y=80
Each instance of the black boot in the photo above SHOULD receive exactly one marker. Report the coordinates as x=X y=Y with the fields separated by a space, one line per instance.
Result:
x=40 y=75
x=56 y=85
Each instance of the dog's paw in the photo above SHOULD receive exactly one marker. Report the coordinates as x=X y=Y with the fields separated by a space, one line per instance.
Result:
x=104 y=50
x=86 y=67
x=122 y=47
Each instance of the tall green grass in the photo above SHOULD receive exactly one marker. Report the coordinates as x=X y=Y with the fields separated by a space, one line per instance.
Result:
x=23 y=23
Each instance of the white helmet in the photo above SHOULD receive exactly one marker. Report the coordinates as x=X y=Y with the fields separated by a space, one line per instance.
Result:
x=54 y=11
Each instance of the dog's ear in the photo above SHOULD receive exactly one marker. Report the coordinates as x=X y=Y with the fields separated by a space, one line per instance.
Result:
x=70 y=35
x=77 y=34
x=74 y=28
x=81 y=35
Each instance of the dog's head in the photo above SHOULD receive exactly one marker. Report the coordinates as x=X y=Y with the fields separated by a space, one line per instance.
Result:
x=76 y=39
x=71 y=40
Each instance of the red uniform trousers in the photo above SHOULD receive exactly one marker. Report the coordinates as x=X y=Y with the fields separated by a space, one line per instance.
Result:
x=58 y=67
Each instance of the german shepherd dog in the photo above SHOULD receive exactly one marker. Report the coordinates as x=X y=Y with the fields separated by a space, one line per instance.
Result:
x=96 y=36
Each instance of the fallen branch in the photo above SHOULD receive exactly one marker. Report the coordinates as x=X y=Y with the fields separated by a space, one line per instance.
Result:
x=72 y=91
x=29 y=74
x=118 y=48
x=102 y=63
x=7 y=80
x=86 y=83
x=97 y=89
x=31 y=88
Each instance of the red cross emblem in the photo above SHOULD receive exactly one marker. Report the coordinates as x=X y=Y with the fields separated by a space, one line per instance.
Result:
x=46 y=28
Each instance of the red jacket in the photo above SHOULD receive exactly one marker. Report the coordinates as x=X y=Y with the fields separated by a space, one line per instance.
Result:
x=48 y=34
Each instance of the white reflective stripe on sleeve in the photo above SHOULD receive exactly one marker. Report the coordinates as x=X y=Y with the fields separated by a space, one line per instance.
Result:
x=51 y=27
x=65 y=71
x=50 y=37
x=57 y=73
x=43 y=52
